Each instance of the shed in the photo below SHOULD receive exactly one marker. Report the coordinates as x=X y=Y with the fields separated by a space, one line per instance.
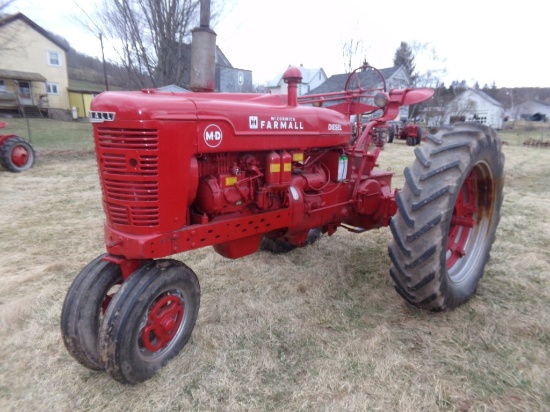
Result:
x=475 y=106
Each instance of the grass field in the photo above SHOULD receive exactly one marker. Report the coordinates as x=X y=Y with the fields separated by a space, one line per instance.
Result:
x=320 y=328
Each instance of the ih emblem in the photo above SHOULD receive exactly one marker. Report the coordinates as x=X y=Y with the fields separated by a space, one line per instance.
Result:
x=213 y=135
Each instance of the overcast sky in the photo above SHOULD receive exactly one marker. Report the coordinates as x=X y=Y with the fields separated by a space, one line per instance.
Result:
x=475 y=40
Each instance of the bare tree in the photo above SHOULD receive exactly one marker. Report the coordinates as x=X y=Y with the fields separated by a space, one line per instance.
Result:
x=460 y=109
x=4 y=5
x=435 y=64
x=429 y=69
x=350 y=50
x=7 y=36
x=152 y=37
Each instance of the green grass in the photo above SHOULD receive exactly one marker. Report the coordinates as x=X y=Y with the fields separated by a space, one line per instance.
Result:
x=521 y=131
x=52 y=135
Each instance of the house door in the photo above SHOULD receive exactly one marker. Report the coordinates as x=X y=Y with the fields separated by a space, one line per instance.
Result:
x=24 y=92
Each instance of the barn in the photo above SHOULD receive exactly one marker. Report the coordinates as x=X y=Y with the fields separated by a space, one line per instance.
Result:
x=529 y=110
x=475 y=106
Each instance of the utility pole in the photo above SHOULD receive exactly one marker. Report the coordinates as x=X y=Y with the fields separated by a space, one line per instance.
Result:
x=100 y=35
x=104 y=65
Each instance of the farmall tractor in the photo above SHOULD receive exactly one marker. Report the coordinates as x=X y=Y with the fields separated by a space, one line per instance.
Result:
x=402 y=130
x=236 y=171
x=16 y=153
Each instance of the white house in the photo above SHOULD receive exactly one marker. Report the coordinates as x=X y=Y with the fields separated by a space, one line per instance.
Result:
x=311 y=78
x=475 y=106
x=529 y=110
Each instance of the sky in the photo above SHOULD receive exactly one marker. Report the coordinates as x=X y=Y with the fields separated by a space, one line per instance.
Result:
x=472 y=40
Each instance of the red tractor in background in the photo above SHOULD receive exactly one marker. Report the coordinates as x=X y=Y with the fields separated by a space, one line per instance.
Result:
x=403 y=130
x=16 y=153
x=239 y=172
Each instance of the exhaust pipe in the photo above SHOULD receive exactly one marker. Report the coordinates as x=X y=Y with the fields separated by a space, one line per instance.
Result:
x=203 y=53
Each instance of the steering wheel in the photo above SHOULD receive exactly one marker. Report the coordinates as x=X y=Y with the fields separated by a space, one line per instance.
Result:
x=358 y=92
x=355 y=75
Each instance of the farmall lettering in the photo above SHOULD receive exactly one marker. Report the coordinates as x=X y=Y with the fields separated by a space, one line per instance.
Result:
x=275 y=123
x=213 y=135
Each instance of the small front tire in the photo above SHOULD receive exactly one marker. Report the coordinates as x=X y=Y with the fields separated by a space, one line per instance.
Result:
x=83 y=308
x=149 y=321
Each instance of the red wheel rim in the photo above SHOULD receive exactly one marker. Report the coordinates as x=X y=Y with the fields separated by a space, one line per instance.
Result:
x=19 y=156
x=463 y=220
x=163 y=322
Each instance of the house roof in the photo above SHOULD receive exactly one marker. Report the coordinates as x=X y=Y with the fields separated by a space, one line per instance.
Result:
x=482 y=95
x=530 y=101
x=173 y=88
x=20 y=16
x=18 y=75
x=367 y=78
x=307 y=75
x=221 y=59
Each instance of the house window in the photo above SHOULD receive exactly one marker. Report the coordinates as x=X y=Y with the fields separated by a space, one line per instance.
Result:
x=479 y=119
x=54 y=58
x=52 y=88
x=2 y=86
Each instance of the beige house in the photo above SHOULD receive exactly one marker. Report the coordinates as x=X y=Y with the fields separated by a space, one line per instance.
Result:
x=33 y=69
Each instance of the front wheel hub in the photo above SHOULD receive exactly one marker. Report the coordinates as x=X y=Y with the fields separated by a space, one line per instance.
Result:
x=163 y=321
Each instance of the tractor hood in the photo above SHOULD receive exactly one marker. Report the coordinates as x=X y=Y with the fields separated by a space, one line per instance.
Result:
x=246 y=113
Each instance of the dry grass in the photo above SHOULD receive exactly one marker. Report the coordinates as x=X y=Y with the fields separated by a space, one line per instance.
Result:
x=317 y=329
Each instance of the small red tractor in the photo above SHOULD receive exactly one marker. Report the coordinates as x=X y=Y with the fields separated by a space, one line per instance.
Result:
x=403 y=130
x=16 y=153
x=240 y=172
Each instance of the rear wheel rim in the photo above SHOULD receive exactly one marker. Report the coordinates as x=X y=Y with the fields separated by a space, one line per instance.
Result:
x=471 y=218
x=19 y=156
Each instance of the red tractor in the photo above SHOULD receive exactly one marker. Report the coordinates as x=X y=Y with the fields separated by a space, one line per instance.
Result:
x=181 y=171
x=403 y=130
x=16 y=153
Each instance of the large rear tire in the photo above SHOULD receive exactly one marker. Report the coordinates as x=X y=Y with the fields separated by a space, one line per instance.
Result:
x=149 y=320
x=16 y=154
x=447 y=217
x=278 y=246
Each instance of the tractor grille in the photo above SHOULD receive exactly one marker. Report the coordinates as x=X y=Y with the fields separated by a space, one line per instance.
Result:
x=133 y=215
x=133 y=139
x=131 y=191
x=117 y=164
x=129 y=173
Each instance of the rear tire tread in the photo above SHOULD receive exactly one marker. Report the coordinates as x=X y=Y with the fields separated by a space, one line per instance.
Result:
x=433 y=182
